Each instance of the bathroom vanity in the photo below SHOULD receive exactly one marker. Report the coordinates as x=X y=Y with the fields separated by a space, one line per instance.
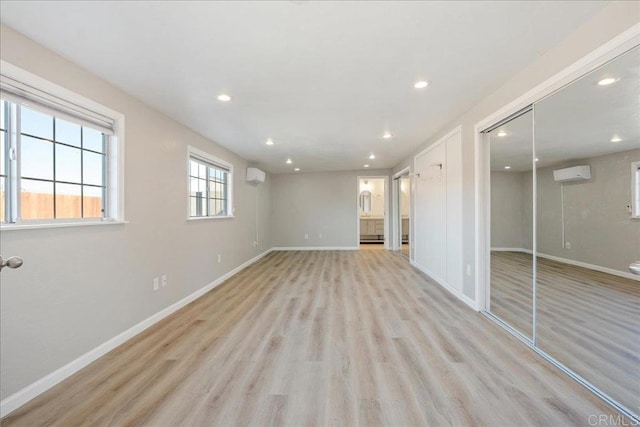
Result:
x=371 y=229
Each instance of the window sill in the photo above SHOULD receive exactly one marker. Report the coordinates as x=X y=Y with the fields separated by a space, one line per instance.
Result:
x=204 y=218
x=10 y=227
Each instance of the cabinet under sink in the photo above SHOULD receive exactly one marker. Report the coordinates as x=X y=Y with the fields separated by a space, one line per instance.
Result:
x=371 y=230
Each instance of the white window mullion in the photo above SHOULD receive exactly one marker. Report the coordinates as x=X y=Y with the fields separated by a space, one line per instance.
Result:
x=207 y=193
x=106 y=173
x=13 y=181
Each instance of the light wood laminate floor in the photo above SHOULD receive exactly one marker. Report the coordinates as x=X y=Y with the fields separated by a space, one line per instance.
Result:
x=319 y=338
x=588 y=320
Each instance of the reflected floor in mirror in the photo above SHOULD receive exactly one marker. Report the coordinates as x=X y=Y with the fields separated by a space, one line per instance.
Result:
x=588 y=320
x=512 y=289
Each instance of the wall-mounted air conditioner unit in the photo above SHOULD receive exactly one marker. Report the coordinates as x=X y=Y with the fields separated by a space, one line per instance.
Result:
x=255 y=175
x=576 y=173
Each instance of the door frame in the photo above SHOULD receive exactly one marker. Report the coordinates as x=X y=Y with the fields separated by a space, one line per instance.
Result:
x=387 y=240
x=396 y=214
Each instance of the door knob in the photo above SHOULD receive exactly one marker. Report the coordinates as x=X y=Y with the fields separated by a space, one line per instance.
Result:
x=11 y=262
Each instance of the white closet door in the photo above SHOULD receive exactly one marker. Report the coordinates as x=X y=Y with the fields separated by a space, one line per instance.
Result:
x=431 y=213
x=438 y=212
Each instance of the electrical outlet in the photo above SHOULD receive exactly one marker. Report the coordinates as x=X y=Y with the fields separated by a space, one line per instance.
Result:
x=255 y=244
x=164 y=280
x=567 y=245
x=155 y=284
x=306 y=236
x=319 y=235
x=219 y=258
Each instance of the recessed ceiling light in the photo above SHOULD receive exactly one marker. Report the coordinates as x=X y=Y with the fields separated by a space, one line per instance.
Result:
x=372 y=156
x=386 y=135
x=607 y=81
x=507 y=167
x=297 y=169
x=289 y=161
x=502 y=133
x=366 y=166
x=224 y=97
x=269 y=141
x=616 y=138
x=421 y=84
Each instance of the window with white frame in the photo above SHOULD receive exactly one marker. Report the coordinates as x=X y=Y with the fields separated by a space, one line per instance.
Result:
x=58 y=159
x=210 y=186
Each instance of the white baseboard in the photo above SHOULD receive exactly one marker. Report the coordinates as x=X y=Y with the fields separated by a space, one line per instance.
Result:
x=569 y=261
x=471 y=303
x=315 y=248
x=31 y=391
x=526 y=251
x=457 y=293
x=592 y=267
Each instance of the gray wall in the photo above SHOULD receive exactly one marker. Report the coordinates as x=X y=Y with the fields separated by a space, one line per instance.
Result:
x=597 y=224
x=511 y=214
x=81 y=286
x=610 y=22
x=314 y=204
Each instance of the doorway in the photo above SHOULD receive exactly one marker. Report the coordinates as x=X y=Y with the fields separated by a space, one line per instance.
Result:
x=372 y=212
x=402 y=209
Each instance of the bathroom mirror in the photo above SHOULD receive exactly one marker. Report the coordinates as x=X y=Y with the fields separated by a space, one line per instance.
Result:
x=511 y=273
x=365 y=201
x=587 y=139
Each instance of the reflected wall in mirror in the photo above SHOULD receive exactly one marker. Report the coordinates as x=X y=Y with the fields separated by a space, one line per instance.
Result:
x=405 y=208
x=511 y=276
x=588 y=304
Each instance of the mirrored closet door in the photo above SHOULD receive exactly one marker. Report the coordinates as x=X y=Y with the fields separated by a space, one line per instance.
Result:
x=564 y=187
x=511 y=170
x=587 y=139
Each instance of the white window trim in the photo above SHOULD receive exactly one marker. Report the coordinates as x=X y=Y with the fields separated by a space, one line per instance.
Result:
x=114 y=202
x=193 y=152
x=635 y=190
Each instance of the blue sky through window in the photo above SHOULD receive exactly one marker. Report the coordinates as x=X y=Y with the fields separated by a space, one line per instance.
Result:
x=72 y=164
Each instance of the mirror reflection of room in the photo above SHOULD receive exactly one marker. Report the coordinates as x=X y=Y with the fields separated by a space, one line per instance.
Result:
x=371 y=202
x=511 y=276
x=588 y=305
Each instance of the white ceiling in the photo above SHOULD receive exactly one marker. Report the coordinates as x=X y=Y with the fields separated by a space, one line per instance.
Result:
x=324 y=80
x=578 y=122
